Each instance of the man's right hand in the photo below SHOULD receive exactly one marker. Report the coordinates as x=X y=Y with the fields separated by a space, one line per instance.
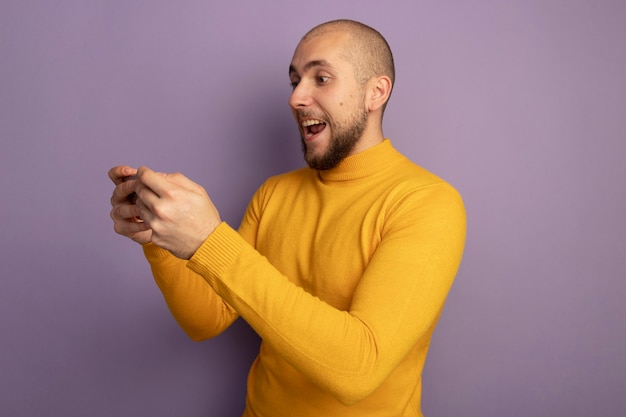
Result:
x=124 y=212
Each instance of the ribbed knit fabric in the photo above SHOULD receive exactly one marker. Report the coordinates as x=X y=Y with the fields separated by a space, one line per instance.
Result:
x=343 y=274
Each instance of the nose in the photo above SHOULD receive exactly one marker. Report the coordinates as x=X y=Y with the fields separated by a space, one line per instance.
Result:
x=300 y=96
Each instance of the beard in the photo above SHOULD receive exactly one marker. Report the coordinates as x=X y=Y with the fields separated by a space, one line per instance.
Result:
x=342 y=142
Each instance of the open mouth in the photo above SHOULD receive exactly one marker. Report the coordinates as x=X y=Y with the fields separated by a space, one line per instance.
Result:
x=312 y=127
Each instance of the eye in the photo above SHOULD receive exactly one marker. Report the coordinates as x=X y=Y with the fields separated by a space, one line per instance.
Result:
x=293 y=84
x=322 y=79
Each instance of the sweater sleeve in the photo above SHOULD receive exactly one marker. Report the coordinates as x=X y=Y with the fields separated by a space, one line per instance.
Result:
x=196 y=307
x=395 y=306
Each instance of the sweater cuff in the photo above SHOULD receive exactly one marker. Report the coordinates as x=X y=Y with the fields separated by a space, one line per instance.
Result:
x=153 y=252
x=218 y=252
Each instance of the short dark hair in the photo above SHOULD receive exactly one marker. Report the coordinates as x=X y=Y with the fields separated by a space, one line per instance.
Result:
x=367 y=49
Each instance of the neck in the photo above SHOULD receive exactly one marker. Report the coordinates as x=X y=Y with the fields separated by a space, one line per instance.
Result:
x=372 y=136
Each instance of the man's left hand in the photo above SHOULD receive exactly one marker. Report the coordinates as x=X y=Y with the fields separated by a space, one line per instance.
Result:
x=179 y=211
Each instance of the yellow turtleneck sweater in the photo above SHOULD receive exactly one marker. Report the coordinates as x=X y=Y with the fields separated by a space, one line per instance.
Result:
x=343 y=274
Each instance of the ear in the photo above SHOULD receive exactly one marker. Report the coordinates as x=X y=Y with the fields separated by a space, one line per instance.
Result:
x=378 y=92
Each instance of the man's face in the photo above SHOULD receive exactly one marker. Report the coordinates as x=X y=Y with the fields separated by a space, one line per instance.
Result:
x=327 y=101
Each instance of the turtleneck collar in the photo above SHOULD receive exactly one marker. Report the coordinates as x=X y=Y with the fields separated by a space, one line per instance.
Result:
x=362 y=164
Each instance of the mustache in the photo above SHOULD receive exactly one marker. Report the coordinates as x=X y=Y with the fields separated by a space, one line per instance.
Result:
x=307 y=114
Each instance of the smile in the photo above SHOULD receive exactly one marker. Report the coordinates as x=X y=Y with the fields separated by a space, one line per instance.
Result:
x=312 y=127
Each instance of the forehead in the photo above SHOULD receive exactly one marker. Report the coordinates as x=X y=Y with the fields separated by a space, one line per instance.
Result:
x=327 y=48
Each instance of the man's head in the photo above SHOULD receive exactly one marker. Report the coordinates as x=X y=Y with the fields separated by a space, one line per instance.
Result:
x=342 y=73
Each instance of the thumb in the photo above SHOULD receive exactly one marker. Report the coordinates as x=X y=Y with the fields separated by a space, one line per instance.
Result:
x=182 y=181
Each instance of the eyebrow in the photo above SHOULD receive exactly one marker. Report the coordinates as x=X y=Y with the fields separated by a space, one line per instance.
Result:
x=309 y=65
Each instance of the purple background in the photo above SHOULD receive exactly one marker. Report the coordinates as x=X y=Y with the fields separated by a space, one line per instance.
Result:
x=520 y=104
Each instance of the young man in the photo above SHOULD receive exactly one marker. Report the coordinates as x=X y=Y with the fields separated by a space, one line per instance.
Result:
x=342 y=267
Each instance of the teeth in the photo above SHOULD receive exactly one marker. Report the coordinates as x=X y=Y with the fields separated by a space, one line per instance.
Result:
x=307 y=123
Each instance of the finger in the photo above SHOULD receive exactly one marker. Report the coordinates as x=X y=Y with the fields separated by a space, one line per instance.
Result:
x=130 y=228
x=143 y=212
x=122 y=191
x=125 y=212
x=145 y=196
x=184 y=182
x=156 y=182
x=125 y=217
x=121 y=173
